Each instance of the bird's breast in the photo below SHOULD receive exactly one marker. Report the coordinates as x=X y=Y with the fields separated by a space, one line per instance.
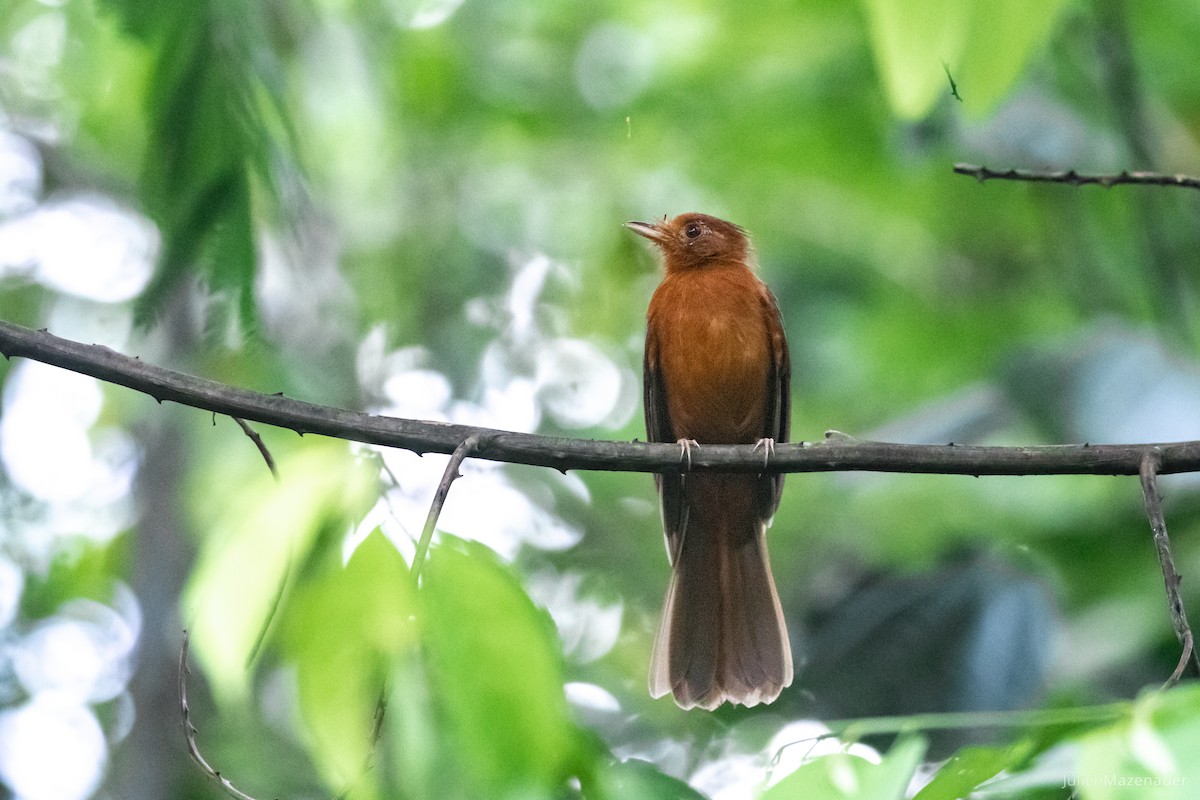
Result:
x=714 y=353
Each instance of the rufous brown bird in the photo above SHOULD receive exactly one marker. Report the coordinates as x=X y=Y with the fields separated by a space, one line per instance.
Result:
x=716 y=371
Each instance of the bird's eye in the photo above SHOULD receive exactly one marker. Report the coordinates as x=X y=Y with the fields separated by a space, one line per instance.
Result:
x=692 y=231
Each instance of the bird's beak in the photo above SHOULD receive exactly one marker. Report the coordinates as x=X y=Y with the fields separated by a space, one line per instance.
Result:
x=648 y=229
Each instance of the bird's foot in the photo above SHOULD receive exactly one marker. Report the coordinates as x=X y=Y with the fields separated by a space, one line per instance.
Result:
x=768 y=447
x=685 y=451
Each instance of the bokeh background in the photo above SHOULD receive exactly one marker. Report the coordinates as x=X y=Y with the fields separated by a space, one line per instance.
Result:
x=415 y=208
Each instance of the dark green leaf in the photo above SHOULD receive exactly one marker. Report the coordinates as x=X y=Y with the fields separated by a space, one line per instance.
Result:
x=210 y=141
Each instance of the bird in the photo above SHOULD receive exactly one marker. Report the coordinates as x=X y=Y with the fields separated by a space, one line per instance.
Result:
x=716 y=371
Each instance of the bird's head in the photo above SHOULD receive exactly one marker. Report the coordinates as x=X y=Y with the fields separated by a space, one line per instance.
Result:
x=695 y=240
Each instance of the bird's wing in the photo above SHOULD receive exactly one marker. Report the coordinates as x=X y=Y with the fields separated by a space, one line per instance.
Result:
x=779 y=389
x=659 y=429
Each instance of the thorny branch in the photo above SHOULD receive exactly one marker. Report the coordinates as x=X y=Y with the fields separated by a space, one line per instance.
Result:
x=837 y=453
x=1073 y=178
x=449 y=475
x=466 y=448
x=1171 y=578
x=190 y=730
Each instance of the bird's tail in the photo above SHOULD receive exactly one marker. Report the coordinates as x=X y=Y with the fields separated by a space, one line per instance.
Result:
x=722 y=637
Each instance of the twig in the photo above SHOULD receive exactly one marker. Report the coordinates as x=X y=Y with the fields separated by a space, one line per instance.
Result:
x=1185 y=658
x=1074 y=178
x=966 y=720
x=189 y=730
x=953 y=86
x=840 y=453
x=464 y=449
x=258 y=442
x=276 y=604
x=460 y=454
x=1171 y=578
x=377 y=720
x=376 y=733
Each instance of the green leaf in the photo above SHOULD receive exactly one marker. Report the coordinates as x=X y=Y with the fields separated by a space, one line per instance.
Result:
x=985 y=45
x=212 y=105
x=496 y=671
x=911 y=39
x=842 y=776
x=970 y=767
x=635 y=779
x=1149 y=756
x=1004 y=37
x=344 y=631
x=259 y=534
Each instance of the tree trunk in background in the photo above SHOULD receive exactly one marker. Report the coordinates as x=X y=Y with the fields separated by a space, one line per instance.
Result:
x=152 y=763
x=148 y=764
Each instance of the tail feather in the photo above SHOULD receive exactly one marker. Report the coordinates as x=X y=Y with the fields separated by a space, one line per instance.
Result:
x=722 y=637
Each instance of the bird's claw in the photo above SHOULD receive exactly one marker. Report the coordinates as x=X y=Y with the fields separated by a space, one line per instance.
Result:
x=768 y=447
x=685 y=451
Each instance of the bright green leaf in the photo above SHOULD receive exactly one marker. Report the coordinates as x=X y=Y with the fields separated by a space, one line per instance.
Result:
x=842 y=776
x=1004 y=36
x=344 y=630
x=495 y=666
x=413 y=736
x=261 y=531
x=1149 y=756
x=911 y=40
x=970 y=767
x=984 y=45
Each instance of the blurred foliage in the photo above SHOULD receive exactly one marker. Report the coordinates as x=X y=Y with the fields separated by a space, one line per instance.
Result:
x=415 y=207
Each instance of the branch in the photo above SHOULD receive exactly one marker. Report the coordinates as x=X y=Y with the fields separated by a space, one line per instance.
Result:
x=460 y=453
x=1186 y=659
x=1074 y=178
x=1171 y=578
x=837 y=453
x=189 y=730
x=258 y=442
